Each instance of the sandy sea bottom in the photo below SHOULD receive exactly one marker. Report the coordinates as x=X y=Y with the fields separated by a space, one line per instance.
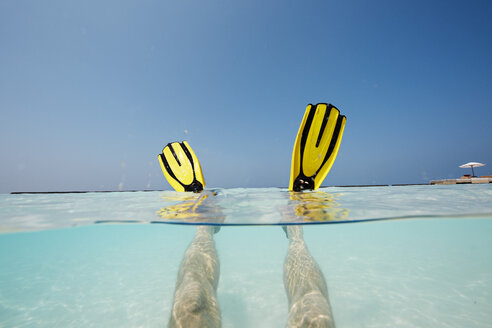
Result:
x=406 y=273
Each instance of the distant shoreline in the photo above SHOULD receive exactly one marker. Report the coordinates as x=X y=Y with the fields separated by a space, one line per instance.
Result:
x=433 y=182
x=145 y=190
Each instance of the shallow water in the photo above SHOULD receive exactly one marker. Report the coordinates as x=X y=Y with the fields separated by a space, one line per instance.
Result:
x=426 y=272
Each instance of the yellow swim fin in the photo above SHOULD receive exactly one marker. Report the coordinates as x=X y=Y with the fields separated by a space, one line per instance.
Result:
x=316 y=146
x=181 y=167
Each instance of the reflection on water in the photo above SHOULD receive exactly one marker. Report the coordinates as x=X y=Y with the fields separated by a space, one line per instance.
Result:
x=296 y=208
x=315 y=206
x=193 y=208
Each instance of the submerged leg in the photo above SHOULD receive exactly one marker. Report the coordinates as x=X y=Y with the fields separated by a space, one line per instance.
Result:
x=305 y=285
x=195 y=300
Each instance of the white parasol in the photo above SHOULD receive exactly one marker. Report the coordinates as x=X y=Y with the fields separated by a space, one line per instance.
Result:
x=471 y=165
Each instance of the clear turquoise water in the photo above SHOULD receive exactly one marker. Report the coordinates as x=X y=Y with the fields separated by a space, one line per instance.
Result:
x=64 y=271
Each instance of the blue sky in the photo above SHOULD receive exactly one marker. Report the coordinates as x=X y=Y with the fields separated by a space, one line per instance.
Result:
x=91 y=91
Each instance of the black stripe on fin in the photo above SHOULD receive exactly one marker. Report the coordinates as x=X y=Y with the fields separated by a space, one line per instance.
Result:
x=305 y=132
x=190 y=158
x=168 y=169
x=334 y=139
x=174 y=153
x=323 y=124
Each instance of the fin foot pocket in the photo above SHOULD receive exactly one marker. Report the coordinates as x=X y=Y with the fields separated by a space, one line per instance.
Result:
x=303 y=183
x=195 y=186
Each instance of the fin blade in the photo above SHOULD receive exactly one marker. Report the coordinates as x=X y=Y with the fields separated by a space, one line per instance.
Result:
x=316 y=146
x=181 y=167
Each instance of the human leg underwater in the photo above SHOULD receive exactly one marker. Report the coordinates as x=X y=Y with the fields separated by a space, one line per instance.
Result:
x=305 y=285
x=195 y=299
